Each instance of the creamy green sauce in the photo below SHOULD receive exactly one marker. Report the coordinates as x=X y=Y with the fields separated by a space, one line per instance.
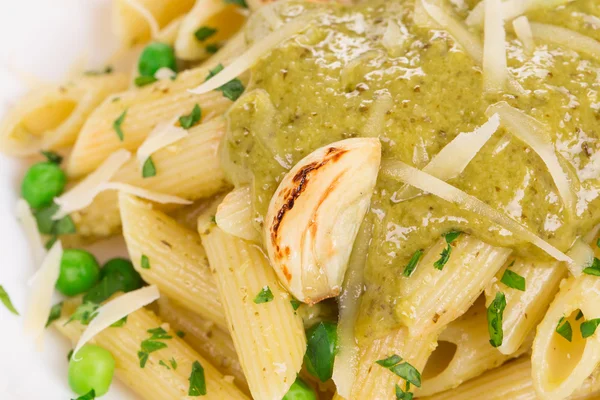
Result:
x=320 y=88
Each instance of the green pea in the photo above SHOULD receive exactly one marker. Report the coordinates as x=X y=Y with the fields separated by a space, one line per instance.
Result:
x=79 y=271
x=156 y=56
x=123 y=270
x=300 y=391
x=92 y=367
x=321 y=348
x=42 y=183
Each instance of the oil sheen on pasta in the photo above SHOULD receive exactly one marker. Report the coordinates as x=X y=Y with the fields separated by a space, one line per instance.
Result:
x=320 y=87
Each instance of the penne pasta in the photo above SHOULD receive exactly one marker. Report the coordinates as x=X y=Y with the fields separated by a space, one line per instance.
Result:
x=176 y=261
x=50 y=117
x=153 y=381
x=268 y=335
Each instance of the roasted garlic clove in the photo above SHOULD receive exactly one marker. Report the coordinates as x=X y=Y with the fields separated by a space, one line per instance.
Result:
x=315 y=213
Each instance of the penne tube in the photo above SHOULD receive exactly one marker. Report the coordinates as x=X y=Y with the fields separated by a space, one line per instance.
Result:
x=176 y=261
x=463 y=352
x=235 y=215
x=430 y=299
x=202 y=335
x=563 y=357
x=136 y=113
x=267 y=333
x=50 y=117
x=178 y=172
x=154 y=381
x=525 y=309
x=137 y=21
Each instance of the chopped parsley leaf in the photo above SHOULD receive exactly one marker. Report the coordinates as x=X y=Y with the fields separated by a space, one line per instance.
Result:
x=445 y=254
x=403 y=369
x=295 y=304
x=598 y=243
x=513 y=280
x=55 y=313
x=579 y=315
x=85 y=313
x=5 y=298
x=52 y=157
x=402 y=395
x=390 y=361
x=197 y=381
x=141 y=81
x=241 y=3
x=564 y=329
x=232 y=89
x=143 y=357
x=264 y=296
x=159 y=333
x=145 y=262
x=117 y=125
x=173 y=363
x=180 y=334
x=187 y=121
x=494 y=317
x=149 y=169
x=48 y=226
x=212 y=48
x=412 y=264
x=161 y=362
x=69 y=355
x=152 y=344
x=204 y=32
x=107 y=70
x=321 y=347
x=108 y=285
x=593 y=269
x=120 y=322
x=91 y=395
x=588 y=328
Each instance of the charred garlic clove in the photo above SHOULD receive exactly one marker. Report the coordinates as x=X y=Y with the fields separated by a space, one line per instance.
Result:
x=314 y=216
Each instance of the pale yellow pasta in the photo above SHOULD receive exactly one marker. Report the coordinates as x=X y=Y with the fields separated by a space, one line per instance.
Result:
x=525 y=309
x=177 y=261
x=50 y=117
x=430 y=299
x=463 y=352
x=144 y=108
x=268 y=336
x=226 y=19
x=202 y=335
x=190 y=168
x=154 y=381
x=235 y=215
x=133 y=27
x=561 y=366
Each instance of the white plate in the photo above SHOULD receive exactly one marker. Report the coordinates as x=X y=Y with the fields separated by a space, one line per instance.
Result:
x=40 y=38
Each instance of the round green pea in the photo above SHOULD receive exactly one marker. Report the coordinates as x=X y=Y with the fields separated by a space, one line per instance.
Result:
x=92 y=367
x=42 y=183
x=300 y=391
x=123 y=270
x=79 y=271
x=156 y=56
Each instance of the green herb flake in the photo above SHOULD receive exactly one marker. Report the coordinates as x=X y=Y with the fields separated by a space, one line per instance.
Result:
x=117 y=125
x=588 y=328
x=50 y=242
x=513 y=280
x=119 y=323
x=408 y=373
x=5 y=298
x=598 y=243
x=150 y=346
x=142 y=81
x=145 y=262
x=445 y=254
x=212 y=48
x=52 y=157
x=91 y=395
x=232 y=89
x=159 y=333
x=69 y=355
x=197 y=381
x=149 y=169
x=187 y=121
x=564 y=329
x=494 y=317
x=593 y=269
x=143 y=357
x=390 y=361
x=264 y=296
x=47 y=226
x=579 y=315
x=161 y=362
x=295 y=304
x=107 y=70
x=108 y=286
x=402 y=395
x=321 y=348
x=204 y=32
x=180 y=334
x=240 y=3
x=412 y=264
x=173 y=363
x=85 y=313
x=55 y=313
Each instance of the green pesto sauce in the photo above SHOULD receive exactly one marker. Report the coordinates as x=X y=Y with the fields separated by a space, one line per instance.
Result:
x=319 y=88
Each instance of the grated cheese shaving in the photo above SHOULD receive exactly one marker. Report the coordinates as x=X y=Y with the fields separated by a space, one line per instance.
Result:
x=455 y=156
x=431 y=184
x=85 y=191
x=582 y=255
x=27 y=220
x=115 y=310
x=42 y=288
x=376 y=122
x=254 y=53
x=147 y=15
x=567 y=38
x=162 y=136
x=235 y=215
x=393 y=38
x=535 y=135
x=511 y=9
x=523 y=31
x=495 y=67
x=144 y=193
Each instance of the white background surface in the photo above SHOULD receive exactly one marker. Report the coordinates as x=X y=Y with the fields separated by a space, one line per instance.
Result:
x=40 y=38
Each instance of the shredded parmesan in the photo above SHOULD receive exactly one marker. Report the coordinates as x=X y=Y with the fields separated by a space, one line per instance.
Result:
x=591 y=235
x=144 y=193
x=254 y=53
x=431 y=184
x=85 y=191
x=115 y=310
x=567 y=38
x=523 y=31
x=42 y=288
x=147 y=15
x=393 y=38
x=30 y=227
x=162 y=136
x=495 y=67
x=535 y=134
x=511 y=9
x=457 y=30
x=382 y=104
x=582 y=255
x=455 y=156
x=164 y=73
